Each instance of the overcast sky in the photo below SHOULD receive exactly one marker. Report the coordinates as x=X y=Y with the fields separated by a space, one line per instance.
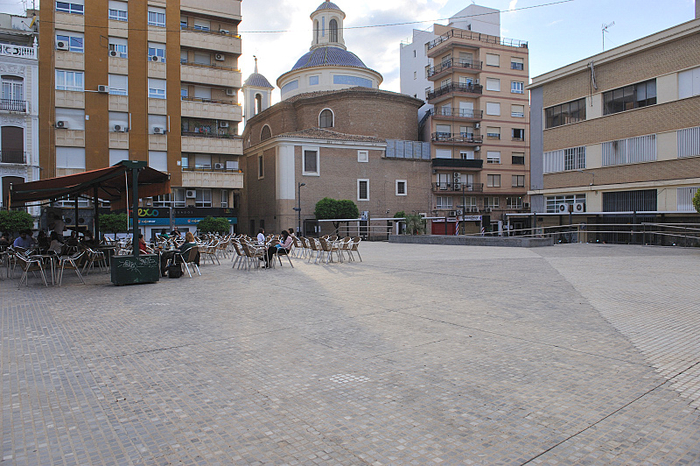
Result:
x=559 y=32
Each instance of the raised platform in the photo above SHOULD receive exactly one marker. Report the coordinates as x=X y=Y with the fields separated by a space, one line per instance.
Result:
x=508 y=241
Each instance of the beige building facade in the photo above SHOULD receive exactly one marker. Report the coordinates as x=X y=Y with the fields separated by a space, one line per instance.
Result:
x=617 y=133
x=478 y=127
x=144 y=80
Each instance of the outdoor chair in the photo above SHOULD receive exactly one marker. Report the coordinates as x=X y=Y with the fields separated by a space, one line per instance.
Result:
x=254 y=254
x=315 y=248
x=209 y=252
x=354 y=248
x=328 y=247
x=71 y=262
x=29 y=265
x=240 y=257
x=279 y=253
x=189 y=257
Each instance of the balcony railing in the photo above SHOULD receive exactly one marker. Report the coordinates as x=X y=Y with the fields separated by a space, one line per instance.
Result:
x=207 y=101
x=470 y=35
x=448 y=64
x=458 y=113
x=13 y=156
x=214 y=66
x=221 y=32
x=204 y=134
x=212 y=169
x=459 y=187
x=455 y=87
x=464 y=138
x=18 y=51
x=13 y=105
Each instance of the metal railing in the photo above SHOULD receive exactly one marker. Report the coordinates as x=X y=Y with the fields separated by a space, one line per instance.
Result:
x=458 y=113
x=458 y=187
x=13 y=156
x=470 y=35
x=208 y=101
x=466 y=138
x=18 y=51
x=13 y=105
x=211 y=169
x=209 y=31
x=450 y=63
x=455 y=87
x=212 y=66
x=209 y=135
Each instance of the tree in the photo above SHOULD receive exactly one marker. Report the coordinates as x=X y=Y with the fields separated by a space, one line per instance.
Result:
x=218 y=225
x=400 y=214
x=114 y=223
x=696 y=201
x=415 y=225
x=331 y=209
x=13 y=221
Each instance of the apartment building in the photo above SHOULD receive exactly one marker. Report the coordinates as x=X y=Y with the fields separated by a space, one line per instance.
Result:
x=145 y=80
x=616 y=136
x=478 y=128
x=19 y=73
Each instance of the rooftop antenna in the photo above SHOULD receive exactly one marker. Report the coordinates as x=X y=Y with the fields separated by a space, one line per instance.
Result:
x=604 y=29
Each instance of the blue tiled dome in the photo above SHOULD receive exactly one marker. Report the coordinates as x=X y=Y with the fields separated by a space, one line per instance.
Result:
x=328 y=56
x=328 y=6
x=258 y=80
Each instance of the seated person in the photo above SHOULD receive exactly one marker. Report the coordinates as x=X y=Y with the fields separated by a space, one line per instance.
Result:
x=281 y=248
x=167 y=256
x=24 y=240
x=42 y=240
x=56 y=246
x=143 y=247
x=89 y=240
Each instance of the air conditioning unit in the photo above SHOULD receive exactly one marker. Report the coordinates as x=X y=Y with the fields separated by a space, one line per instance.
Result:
x=474 y=209
x=458 y=187
x=61 y=124
x=579 y=207
x=103 y=89
x=526 y=205
x=224 y=31
x=113 y=53
x=61 y=45
x=477 y=148
x=563 y=208
x=219 y=57
x=223 y=124
x=148 y=201
x=230 y=92
x=156 y=58
x=459 y=211
x=158 y=130
x=191 y=194
x=119 y=128
x=476 y=125
x=452 y=213
x=219 y=166
x=487 y=209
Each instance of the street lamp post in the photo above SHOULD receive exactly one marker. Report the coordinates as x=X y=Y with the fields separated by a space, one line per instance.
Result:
x=298 y=207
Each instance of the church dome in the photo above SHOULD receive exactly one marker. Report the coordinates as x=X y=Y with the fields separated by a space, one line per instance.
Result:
x=329 y=6
x=328 y=56
x=258 y=80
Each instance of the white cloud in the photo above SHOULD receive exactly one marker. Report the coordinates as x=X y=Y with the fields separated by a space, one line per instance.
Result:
x=512 y=5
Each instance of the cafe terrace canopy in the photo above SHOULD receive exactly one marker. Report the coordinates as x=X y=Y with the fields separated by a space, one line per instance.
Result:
x=111 y=184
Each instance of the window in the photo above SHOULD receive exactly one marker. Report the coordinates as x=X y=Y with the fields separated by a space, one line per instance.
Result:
x=70 y=157
x=415 y=75
x=629 y=97
x=117 y=155
x=313 y=80
x=518 y=181
x=158 y=160
x=493 y=181
x=70 y=80
x=630 y=201
x=265 y=133
x=684 y=199
x=261 y=167
x=72 y=42
x=185 y=161
x=333 y=30
x=75 y=7
x=518 y=134
x=363 y=190
x=517 y=111
x=563 y=114
x=224 y=198
x=493 y=59
x=443 y=202
x=202 y=25
x=311 y=161
x=688 y=139
x=493 y=157
x=156 y=88
x=575 y=158
x=466 y=155
x=514 y=202
x=493 y=84
x=156 y=17
x=518 y=158
x=492 y=202
x=325 y=119
x=162 y=201
x=517 y=87
x=517 y=63
x=493 y=108
x=493 y=132
x=183 y=23
x=118 y=11
x=72 y=118
x=179 y=199
x=119 y=46
x=203 y=198
x=553 y=202
x=13 y=94
x=118 y=84
x=156 y=50
x=689 y=83
x=443 y=153
x=401 y=187
x=632 y=150
x=362 y=156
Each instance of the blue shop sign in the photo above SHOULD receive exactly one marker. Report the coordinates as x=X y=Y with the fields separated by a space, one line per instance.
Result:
x=150 y=221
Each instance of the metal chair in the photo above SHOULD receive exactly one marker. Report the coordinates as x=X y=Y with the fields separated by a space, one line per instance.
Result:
x=189 y=257
x=70 y=262
x=29 y=265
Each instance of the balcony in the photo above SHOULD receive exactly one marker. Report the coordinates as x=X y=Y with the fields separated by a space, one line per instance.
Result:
x=456 y=114
x=199 y=108
x=211 y=40
x=215 y=75
x=458 y=36
x=458 y=163
x=457 y=138
x=455 y=65
x=70 y=137
x=70 y=99
x=212 y=144
x=224 y=9
x=18 y=51
x=118 y=140
x=69 y=22
x=9 y=105
x=208 y=178
x=13 y=156
x=458 y=187
x=469 y=89
x=118 y=103
x=70 y=60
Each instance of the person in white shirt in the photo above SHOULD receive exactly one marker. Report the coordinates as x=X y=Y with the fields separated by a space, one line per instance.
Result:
x=261 y=236
x=59 y=226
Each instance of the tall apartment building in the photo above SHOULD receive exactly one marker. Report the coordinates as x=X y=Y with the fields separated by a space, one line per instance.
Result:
x=478 y=128
x=617 y=133
x=19 y=73
x=145 y=80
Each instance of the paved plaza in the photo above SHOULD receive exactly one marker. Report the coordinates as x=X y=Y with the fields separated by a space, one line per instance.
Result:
x=419 y=355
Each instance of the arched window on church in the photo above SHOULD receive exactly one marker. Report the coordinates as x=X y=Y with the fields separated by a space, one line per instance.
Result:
x=258 y=103
x=316 y=31
x=333 y=30
x=266 y=133
x=325 y=119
